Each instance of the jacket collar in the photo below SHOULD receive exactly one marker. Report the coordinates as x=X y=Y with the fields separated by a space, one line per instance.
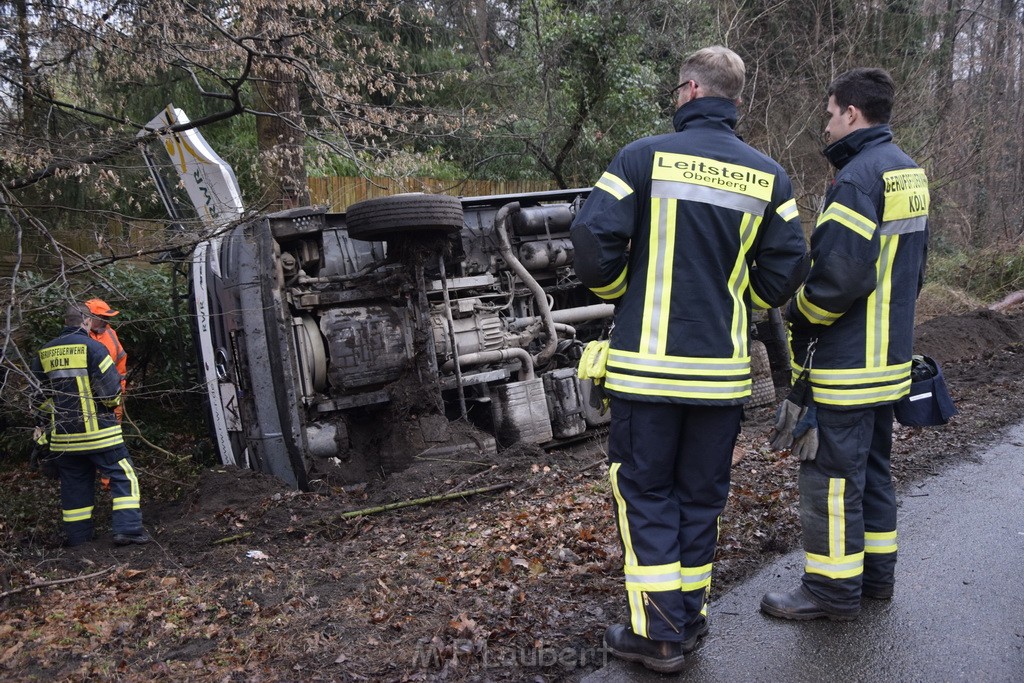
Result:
x=841 y=151
x=77 y=329
x=706 y=112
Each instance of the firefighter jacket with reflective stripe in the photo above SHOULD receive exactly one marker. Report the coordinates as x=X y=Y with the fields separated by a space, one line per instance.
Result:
x=108 y=338
x=684 y=232
x=80 y=389
x=868 y=254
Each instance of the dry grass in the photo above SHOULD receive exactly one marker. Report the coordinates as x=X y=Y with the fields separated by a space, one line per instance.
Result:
x=939 y=299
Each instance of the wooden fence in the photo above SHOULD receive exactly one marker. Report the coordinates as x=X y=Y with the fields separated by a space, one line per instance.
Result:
x=339 y=193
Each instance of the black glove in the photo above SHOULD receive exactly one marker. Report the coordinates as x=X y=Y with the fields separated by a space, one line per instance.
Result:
x=42 y=461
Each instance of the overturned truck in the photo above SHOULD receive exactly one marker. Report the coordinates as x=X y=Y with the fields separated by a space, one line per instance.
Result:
x=410 y=325
x=416 y=325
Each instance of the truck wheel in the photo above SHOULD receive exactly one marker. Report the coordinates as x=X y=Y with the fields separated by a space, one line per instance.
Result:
x=376 y=220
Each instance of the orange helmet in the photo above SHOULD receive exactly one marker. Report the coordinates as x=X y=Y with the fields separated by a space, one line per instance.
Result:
x=99 y=307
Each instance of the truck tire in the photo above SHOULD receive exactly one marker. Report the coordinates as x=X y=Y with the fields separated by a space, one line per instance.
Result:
x=418 y=214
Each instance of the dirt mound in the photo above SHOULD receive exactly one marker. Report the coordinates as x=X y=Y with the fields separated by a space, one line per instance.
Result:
x=968 y=335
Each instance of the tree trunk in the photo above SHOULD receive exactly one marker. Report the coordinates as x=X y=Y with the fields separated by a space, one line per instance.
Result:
x=279 y=132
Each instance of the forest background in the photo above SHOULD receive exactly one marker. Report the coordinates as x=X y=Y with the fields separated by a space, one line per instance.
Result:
x=457 y=90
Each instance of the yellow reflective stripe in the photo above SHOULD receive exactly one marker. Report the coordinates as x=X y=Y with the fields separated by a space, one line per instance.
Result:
x=844 y=215
x=788 y=210
x=739 y=282
x=667 y=264
x=679 y=365
x=637 y=612
x=638 y=618
x=658 y=288
x=78 y=514
x=125 y=503
x=614 y=290
x=757 y=302
x=906 y=194
x=879 y=542
x=814 y=313
x=129 y=472
x=106 y=363
x=96 y=441
x=613 y=185
x=75 y=447
x=613 y=475
x=677 y=388
x=865 y=396
x=662 y=577
x=87 y=403
x=727 y=199
x=878 y=307
x=843 y=567
x=695 y=578
x=856 y=376
x=836 y=517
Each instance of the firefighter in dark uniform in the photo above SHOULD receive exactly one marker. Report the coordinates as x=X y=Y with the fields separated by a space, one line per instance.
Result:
x=684 y=232
x=868 y=256
x=80 y=388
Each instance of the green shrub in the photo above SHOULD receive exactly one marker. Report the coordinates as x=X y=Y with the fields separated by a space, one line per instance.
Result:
x=988 y=274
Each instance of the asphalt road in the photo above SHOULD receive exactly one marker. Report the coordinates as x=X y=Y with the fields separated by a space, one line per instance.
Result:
x=958 y=612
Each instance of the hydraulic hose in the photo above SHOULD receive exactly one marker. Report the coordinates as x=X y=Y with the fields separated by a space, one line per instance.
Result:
x=539 y=295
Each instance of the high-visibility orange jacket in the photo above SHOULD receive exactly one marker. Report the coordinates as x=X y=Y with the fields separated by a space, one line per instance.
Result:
x=108 y=338
x=120 y=357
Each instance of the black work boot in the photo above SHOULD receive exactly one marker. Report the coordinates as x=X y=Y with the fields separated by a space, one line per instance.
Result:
x=697 y=630
x=798 y=604
x=663 y=656
x=882 y=592
x=136 y=537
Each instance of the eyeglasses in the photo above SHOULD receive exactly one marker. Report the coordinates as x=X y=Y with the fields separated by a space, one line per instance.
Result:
x=673 y=91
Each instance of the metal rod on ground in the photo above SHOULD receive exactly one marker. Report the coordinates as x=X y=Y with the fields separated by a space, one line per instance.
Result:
x=422 y=501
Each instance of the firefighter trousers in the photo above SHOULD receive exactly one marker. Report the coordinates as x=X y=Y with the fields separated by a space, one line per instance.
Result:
x=848 y=507
x=669 y=466
x=78 y=491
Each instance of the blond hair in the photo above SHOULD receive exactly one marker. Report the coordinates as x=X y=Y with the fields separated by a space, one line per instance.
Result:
x=719 y=72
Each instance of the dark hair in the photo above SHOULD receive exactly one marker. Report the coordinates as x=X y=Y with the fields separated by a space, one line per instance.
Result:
x=73 y=316
x=868 y=89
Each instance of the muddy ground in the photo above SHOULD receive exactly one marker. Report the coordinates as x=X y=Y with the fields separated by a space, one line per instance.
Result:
x=250 y=581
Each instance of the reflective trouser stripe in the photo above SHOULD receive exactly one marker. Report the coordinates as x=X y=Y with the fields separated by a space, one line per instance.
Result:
x=695 y=578
x=880 y=542
x=837 y=564
x=836 y=517
x=78 y=515
x=132 y=500
x=835 y=567
x=665 y=577
x=698 y=579
x=129 y=472
x=638 y=617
